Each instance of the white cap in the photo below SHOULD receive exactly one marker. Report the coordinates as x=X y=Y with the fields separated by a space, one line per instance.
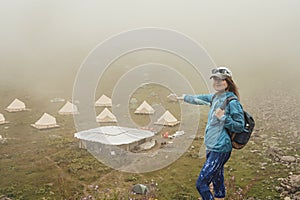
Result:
x=221 y=72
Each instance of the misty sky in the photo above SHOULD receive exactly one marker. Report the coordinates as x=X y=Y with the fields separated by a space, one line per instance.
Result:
x=50 y=39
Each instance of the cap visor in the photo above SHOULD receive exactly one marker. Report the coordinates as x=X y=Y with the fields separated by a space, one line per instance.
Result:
x=218 y=75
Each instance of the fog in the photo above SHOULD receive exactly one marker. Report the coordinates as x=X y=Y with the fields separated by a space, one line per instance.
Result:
x=43 y=43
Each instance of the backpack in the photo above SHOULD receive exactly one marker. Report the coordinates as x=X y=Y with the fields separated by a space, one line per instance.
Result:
x=239 y=140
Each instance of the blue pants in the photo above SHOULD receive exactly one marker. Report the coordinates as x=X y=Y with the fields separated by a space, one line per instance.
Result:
x=212 y=171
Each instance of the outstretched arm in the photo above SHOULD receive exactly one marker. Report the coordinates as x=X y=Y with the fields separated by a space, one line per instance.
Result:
x=203 y=99
x=192 y=99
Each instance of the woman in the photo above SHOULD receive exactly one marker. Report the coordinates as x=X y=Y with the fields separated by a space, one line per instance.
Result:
x=217 y=141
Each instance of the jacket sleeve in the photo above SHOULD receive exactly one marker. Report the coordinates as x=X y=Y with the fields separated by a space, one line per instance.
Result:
x=234 y=120
x=203 y=99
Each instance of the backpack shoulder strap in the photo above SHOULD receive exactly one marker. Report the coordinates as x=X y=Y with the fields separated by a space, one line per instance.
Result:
x=212 y=99
x=227 y=100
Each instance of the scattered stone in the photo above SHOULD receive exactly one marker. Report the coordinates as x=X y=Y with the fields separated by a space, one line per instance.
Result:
x=3 y=197
x=296 y=134
x=295 y=181
x=275 y=153
x=289 y=187
x=288 y=159
x=279 y=189
x=3 y=139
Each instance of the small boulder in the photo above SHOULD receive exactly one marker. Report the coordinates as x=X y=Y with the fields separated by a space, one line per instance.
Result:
x=289 y=159
x=295 y=181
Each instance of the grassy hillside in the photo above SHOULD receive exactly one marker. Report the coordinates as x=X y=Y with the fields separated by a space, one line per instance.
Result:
x=48 y=164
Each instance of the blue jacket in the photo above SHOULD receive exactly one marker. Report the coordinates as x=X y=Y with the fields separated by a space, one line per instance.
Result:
x=216 y=137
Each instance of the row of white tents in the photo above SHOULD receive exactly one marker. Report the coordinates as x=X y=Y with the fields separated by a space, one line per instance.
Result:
x=47 y=121
x=17 y=105
x=167 y=119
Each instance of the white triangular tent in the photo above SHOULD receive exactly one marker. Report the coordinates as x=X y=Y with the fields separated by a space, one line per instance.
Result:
x=144 y=108
x=104 y=101
x=106 y=116
x=167 y=119
x=16 y=106
x=68 y=109
x=45 y=122
x=2 y=119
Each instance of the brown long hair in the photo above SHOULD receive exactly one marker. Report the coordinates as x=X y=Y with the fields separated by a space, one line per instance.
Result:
x=232 y=87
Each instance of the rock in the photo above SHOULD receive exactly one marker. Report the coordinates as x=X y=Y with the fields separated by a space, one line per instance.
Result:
x=295 y=181
x=287 y=198
x=264 y=136
x=288 y=159
x=289 y=187
x=279 y=189
x=296 y=134
x=3 y=197
x=284 y=193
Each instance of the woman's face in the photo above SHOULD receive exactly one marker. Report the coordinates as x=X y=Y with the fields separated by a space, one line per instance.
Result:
x=219 y=85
